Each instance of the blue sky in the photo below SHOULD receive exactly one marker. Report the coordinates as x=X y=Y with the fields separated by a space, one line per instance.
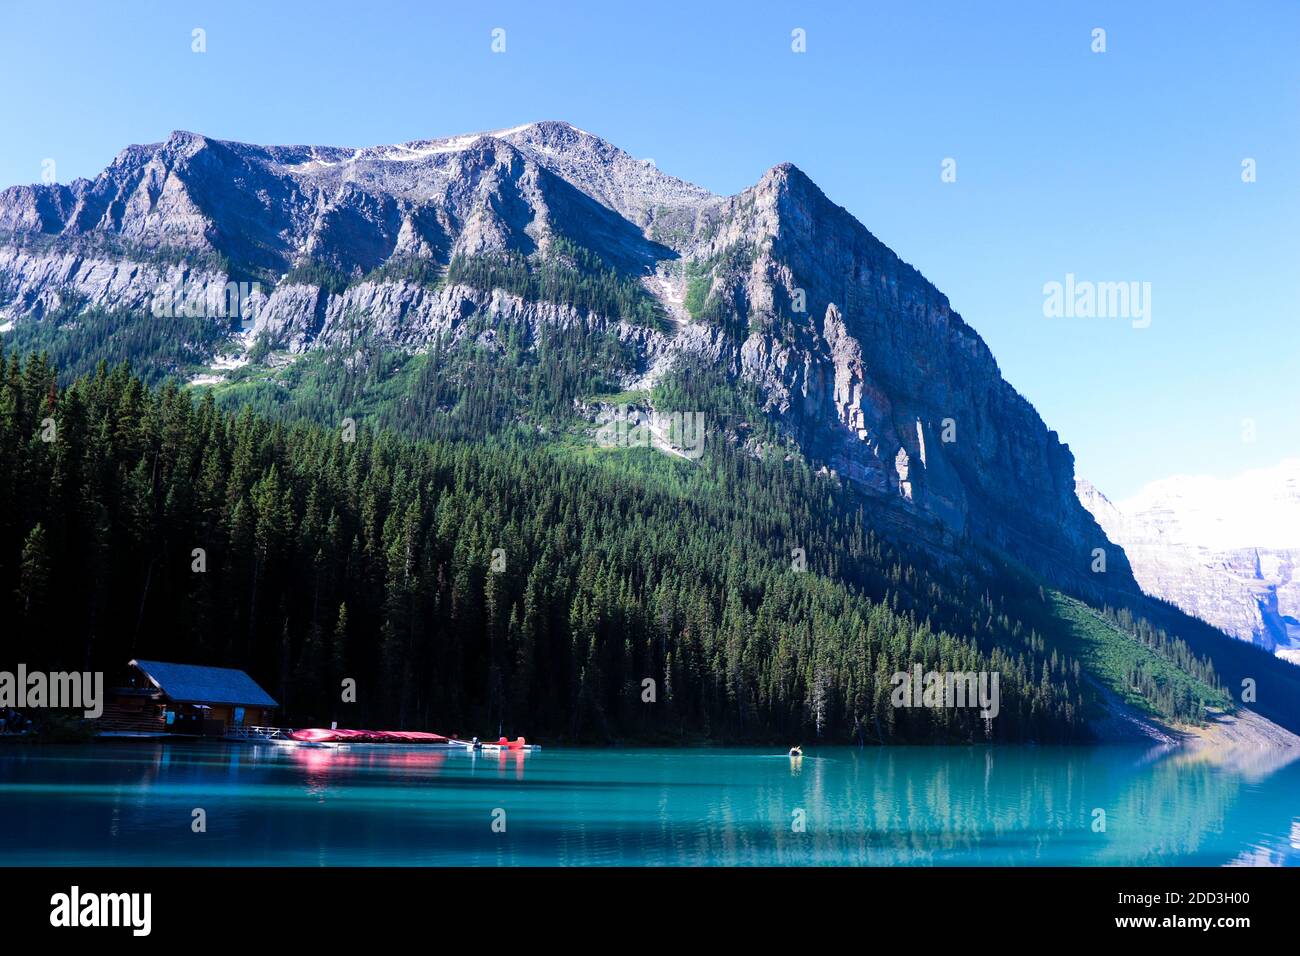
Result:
x=1115 y=166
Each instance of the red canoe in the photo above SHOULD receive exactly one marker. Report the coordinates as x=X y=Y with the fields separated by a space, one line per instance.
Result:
x=323 y=735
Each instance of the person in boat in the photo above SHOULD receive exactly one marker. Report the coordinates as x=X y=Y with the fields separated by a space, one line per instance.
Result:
x=796 y=751
x=475 y=744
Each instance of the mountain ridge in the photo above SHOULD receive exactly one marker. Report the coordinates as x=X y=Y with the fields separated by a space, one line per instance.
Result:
x=854 y=351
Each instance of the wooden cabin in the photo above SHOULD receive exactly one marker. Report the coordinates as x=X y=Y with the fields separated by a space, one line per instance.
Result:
x=186 y=699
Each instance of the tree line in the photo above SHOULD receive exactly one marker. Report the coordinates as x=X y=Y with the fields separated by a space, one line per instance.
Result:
x=469 y=587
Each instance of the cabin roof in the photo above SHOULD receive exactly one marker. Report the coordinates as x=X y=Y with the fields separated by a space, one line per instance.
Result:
x=195 y=684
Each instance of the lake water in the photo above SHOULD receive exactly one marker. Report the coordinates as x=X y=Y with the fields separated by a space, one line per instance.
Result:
x=133 y=803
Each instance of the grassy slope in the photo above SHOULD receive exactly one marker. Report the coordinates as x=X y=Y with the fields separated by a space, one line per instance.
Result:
x=1276 y=683
x=297 y=383
x=1109 y=655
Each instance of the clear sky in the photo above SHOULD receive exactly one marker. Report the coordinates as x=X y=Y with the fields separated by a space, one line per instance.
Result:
x=1117 y=166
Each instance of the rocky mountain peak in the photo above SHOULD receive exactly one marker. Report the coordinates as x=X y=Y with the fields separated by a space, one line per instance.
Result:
x=634 y=188
x=858 y=356
x=182 y=140
x=787 y=178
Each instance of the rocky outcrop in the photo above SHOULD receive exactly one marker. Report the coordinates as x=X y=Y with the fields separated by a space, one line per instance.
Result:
x=854 y=351
x=868 y=363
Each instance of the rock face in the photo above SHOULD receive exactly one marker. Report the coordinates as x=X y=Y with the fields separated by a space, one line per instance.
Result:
x=1224 y=550
x=854 y=351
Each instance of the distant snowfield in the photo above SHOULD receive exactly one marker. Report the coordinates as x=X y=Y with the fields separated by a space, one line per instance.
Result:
x=1226 y=550
x=1256 y=509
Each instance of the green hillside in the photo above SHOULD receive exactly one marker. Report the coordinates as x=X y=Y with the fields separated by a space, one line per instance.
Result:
x=1160 y=678
x=373 y=559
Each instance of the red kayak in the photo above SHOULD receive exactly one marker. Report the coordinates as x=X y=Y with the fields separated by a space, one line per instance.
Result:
x=320 y=735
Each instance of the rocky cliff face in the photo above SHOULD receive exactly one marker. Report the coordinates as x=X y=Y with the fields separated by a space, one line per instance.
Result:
x=885 y=381
x=862 y=358
x=1226 y=551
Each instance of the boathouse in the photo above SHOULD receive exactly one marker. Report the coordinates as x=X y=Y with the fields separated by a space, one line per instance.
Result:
x=157 y=697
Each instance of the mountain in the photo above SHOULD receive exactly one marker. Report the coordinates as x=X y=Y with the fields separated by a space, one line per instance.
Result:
x=444 y=243
x=479 y=312
x=1225 y=550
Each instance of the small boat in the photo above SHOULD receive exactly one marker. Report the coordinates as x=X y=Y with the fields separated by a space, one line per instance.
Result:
x=315 y=735
x=796 y=753
x=333 y=736
x=519 y=744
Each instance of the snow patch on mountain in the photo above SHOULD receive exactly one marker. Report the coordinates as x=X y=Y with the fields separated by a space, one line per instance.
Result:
x=1226 y=550
x=1256 y=509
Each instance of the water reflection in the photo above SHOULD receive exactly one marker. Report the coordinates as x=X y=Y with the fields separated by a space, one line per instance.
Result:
x=417 y=805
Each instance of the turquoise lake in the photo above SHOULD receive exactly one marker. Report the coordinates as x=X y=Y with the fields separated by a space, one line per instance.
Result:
x=132 y=803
